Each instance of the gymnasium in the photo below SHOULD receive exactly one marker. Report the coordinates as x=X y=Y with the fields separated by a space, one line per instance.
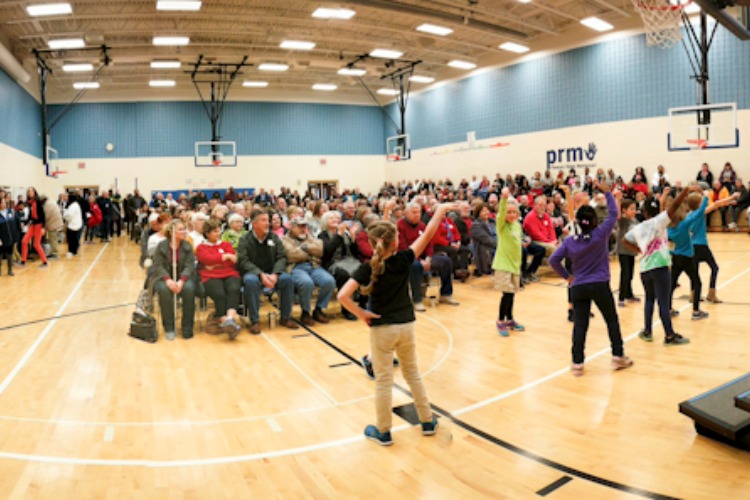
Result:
x=369 y=108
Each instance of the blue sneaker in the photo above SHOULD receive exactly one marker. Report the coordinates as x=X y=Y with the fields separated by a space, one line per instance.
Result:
x=430 y=428
x=518 y=327
x=367 y=365
x=502 y=328
x=382 y=438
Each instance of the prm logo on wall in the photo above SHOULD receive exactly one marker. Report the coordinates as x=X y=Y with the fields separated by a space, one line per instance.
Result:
x=572 y=157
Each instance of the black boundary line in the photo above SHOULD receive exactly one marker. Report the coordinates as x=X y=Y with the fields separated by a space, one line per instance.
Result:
x=59 y=316
x=508 y=446
x=554 y=486
x=339 y=365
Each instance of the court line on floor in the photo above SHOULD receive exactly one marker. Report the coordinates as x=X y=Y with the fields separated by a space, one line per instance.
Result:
x=79 y=313
x=30 y=352
x=299 y=369
x=565 y=370
x=450 y=345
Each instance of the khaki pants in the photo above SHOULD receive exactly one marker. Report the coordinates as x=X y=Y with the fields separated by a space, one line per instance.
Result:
x=549 y=248
x=383 y=341
x=53 y=239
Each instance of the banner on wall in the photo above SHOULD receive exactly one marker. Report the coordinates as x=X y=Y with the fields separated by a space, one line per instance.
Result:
x=575 y=157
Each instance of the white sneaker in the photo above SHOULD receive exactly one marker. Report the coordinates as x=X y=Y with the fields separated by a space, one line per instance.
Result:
x=419 y=306
x=69 y=255
x=732 y=225
x=447 y=299
x=170 y=335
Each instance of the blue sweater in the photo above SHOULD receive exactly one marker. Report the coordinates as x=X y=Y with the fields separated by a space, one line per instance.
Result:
x=680 y=235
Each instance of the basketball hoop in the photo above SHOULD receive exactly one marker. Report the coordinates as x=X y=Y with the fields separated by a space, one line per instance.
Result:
x=662 y=20
x=57 y=172
x=393 y=157
x=217 y=163
x=697 y=143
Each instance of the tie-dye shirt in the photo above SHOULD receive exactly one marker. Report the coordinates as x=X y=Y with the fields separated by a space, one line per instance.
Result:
x=651 y=238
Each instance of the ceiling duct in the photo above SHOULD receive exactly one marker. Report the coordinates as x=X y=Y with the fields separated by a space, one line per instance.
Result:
x=12 y=66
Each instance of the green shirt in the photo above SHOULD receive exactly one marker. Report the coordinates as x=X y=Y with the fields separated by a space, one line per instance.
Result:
x=508 y=253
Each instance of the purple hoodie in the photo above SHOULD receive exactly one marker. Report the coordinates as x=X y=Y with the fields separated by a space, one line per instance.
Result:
x=589 y=254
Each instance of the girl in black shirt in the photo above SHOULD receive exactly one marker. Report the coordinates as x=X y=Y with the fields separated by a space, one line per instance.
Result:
x=386 y=280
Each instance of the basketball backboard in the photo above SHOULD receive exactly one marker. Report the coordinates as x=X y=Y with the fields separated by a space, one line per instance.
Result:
x=398 y=148
x=710 y=126
x=215 y=154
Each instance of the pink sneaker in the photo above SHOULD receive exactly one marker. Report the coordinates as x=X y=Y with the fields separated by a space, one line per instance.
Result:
x=621 y=362
x=577 y=369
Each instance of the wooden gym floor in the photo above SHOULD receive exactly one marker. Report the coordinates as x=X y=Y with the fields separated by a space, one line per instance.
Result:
x=87 y=412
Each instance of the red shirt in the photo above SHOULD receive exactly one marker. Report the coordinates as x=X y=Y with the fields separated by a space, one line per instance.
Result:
x=446 y=234
x=539 y=228
x=408 y=234
x=210 y=263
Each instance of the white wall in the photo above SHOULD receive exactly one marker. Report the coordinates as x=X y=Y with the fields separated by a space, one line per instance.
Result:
x=620 y=145
x=20 y=170
x=270 y=172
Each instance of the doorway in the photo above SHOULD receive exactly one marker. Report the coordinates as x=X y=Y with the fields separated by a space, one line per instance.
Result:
x=323 y=190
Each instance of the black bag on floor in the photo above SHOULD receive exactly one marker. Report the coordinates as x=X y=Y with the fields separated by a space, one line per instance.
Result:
x=143 y=328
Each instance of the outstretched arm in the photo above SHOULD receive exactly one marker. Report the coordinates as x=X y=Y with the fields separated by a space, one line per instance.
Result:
x=437 y=218
x=720 y=203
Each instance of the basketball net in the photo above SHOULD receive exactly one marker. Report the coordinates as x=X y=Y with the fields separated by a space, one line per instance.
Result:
x=662 y=20
x=697 y=143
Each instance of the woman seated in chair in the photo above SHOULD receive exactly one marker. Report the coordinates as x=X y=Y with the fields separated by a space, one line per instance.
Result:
x=175 y=255
x=338 y=252
x=217 y=268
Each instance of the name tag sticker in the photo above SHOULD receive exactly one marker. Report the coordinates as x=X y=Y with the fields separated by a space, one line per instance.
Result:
x=270 y=243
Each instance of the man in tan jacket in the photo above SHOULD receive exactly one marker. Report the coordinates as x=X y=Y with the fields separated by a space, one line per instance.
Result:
x=53 y=225
x=303 y=254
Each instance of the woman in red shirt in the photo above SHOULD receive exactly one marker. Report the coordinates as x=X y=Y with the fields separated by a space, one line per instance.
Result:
x=217 y=268
x=36 y=227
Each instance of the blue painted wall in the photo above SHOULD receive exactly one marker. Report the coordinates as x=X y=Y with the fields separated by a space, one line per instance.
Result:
x=154 y=129
x=618 y=80
x=20 y=120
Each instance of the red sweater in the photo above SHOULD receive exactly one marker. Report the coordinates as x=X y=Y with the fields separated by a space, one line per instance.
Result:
x=364 y=248
x=539 y=228
x=408 y=234
x=210 y=263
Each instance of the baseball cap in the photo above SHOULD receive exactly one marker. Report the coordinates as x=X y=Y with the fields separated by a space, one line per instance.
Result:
x=299 y=221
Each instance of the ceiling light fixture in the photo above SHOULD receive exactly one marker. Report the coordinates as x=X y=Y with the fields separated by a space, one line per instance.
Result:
x=297 y=45
x=324 y=86
x=434 y=29
x=273 y=67
x=513 y=47
x=421 y=79
x=178 y=5
x=162 y=83
x=72 y=68
x=166 y=64
x=70 y=43
x=323 y=13
x=49 y=9
x=171 y=40
x=386 y=54
x=596 y=24
x=352 y=72
x=461 y=64
x=86 y=85
x=388 y=92
x=254 y=84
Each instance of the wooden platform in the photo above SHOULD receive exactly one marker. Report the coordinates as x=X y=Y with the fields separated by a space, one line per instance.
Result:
x=87 y=412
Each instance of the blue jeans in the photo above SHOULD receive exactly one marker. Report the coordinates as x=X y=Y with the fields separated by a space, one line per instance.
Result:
x=656 y=284
x=305 y=278
x=442 y=265
x=253 y=287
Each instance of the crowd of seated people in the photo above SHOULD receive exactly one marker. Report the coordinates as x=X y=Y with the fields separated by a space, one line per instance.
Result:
x=289 y=244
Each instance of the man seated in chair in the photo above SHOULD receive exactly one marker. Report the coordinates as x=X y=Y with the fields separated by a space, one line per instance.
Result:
x=303 y=254
x=261 y=262
x=409 y=229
